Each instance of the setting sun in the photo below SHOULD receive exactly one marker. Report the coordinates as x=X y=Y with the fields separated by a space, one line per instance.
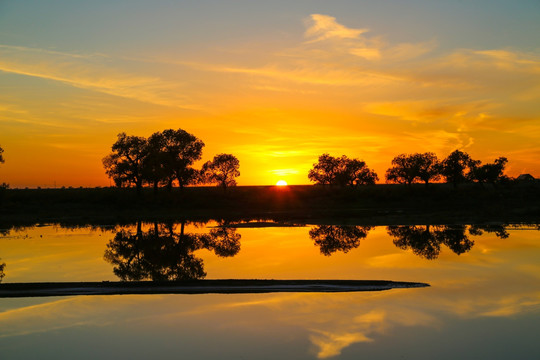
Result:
x=281 y=183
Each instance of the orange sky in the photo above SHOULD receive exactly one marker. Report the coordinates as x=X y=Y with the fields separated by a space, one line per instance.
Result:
x=276 y=86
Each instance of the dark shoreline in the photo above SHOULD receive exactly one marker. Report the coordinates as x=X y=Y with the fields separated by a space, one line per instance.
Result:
x=364 y=205
x=13 y=290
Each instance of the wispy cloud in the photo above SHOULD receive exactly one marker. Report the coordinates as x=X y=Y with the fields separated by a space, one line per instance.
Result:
x=325 y=27
x=92 y=72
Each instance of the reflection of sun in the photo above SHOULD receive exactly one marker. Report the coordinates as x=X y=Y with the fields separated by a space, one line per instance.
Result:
x=281 y=183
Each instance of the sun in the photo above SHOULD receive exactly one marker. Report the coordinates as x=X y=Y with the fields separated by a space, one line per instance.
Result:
x=281 y=183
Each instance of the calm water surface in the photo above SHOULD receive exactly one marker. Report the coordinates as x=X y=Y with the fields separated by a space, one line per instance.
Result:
x=483 y=303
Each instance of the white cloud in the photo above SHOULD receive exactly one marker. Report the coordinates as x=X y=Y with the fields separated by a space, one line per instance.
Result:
x=325 y=27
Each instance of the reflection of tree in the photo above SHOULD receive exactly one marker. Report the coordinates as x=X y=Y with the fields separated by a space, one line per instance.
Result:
x=455 y=238
x=162 y=253
x=418 y=238
x=223 y=240
x=332 y=238
x=2 y=274
x=499 y=230
x=426 y=240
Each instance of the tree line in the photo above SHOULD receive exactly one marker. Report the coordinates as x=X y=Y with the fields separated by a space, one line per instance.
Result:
x=164 y=159
x=456 y=168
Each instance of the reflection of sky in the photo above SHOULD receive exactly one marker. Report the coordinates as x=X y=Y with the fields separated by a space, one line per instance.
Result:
x=482 y=304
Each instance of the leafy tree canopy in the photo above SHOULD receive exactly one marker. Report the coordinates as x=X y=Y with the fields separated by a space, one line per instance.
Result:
x=125 y=164
x=222 y=170
x=341 y=171
x=456 y=167
x=491 y=172
x=411 y=168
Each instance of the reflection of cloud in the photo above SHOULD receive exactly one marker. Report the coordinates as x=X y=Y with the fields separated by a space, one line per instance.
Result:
x=493 y=306
x=363 y=327
x=72 y=312
x=331 y=344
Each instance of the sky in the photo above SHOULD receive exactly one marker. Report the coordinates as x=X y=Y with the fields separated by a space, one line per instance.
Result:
x=275 y=83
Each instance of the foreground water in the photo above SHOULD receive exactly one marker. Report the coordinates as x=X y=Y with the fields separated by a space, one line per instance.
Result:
x=483 y=303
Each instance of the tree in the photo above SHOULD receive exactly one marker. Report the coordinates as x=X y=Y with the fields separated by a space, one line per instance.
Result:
x=357 y=173
x=2 y=185
x=407 y=169
x=491 y=173
x=178 y=151
x=341 y=171
x=428 y=167
x=125 y=164
x=325 y=170
x=403 y=171
x=456 y=167
x=154 y=168
x=223 y=170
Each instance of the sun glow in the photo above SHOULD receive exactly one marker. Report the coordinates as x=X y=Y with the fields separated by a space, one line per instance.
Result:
x=281 y=183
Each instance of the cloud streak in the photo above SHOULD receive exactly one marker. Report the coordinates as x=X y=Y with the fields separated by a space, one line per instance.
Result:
x=324 y=27
x=90 y=72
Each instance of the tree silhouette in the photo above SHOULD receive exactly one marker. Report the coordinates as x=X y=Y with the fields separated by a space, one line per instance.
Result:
x=456 y=167
x=125 y=164
x=223 y=170
x=154 y=169
x=357 y=173
x=177 y=150
x=2 y=185
x=332 y=238
x=407 y=169
x=341 y=171
x=491 y=173
x=325 y=170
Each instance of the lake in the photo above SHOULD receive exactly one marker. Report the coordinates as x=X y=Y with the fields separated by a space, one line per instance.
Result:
x=483 y=302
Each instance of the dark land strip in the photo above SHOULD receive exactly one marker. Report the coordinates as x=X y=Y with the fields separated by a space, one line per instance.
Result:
x=12 y=290
x=363 y=205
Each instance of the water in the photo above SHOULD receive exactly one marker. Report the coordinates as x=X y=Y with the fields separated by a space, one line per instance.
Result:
x=483 y=303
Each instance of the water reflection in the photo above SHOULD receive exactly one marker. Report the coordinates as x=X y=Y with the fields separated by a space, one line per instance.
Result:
x=165 y=253
x=426 y=240
x=2 y=274
x=332 y=238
